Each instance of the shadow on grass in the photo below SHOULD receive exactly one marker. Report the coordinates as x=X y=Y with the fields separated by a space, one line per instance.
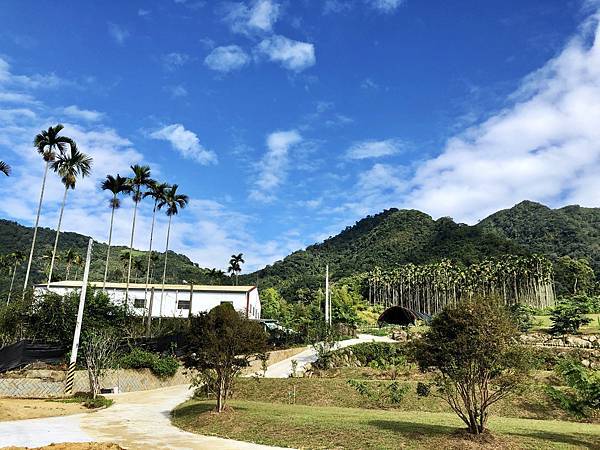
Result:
x=412 y=429
x=571 y=439
x=196 y=409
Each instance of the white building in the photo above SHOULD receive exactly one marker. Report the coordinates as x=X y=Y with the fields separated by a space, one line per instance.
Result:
x=177 y=301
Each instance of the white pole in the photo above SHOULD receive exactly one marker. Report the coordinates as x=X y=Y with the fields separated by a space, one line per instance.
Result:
x=327 y=310
x=75 y=347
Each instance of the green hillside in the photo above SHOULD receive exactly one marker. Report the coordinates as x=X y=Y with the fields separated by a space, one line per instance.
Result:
x=573 y=231
x=387 y=239
x=14 y=236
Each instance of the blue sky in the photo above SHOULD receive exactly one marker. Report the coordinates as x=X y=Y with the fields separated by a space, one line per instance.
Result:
x=286 y=121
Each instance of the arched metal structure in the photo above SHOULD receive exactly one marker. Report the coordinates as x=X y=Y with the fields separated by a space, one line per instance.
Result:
x=399 y=315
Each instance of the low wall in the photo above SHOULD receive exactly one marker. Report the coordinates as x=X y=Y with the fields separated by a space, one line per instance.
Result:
x=36 y=383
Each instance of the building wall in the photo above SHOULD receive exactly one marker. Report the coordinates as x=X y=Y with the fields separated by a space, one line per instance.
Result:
x=175 y=302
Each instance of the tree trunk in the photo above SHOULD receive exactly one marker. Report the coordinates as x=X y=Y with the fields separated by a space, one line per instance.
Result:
x=149 y=255
x=62 y=209
x=12 y=281
x=162 y=294
x=112 y=217
x=35 y=228
x=131 y=250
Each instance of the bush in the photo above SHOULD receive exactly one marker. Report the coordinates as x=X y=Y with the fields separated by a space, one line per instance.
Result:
x=377 y=355
x=522 y=316
x=569 y=315
x=98 y=402
x=161 y=366
x=381 y=392
x=582 y=399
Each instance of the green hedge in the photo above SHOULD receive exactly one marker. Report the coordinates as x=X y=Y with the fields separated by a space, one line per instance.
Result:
x=161 y=366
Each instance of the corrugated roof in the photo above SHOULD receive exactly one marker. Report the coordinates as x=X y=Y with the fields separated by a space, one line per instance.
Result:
x=157 y=287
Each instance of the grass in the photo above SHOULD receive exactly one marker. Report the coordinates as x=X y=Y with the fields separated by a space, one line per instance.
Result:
x=543 y=323
x=87 y=400
x=304 y=426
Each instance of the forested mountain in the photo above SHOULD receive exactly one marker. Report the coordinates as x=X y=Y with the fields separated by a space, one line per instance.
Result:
x=14 y=236
x=387 y=239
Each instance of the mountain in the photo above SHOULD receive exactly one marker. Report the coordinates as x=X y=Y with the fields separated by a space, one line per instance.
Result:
x=14 y=236
x=572 y=230
x=387 y=239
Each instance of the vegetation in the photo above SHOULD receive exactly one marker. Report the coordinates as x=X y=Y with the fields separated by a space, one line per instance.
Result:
x=221 y=343
x=471 y=349
x=161 y=366
x=5 y=168
x=582 y=398
x=235 y=265
x=569 y=315
x=99 y=349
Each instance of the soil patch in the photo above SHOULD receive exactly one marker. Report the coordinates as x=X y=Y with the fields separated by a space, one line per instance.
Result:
x=17 y=409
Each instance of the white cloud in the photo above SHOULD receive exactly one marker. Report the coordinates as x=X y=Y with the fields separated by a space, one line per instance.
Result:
x=374 y=149
x=186 y=143
x=34 y=81
x=16 y=97
x=174 y=60
x=177 y=91
x=143 y=12
x=226 y=58
x=336 y=6
x=385 y=6
x=293 y=55
x=259 y=16
x=118 y=33
x=85 y=114
x=274 y=164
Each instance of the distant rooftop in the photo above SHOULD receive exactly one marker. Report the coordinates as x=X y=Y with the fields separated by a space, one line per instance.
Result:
x=157 y=287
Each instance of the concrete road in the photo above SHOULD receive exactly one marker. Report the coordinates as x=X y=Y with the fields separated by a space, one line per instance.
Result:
x=283 y=369
x=137 y=420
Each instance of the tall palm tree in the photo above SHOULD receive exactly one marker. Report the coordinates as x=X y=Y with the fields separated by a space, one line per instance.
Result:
x=16 y=258
x=4 y=168
x=140 y=179
x=173 y=202
x=235 y=265
x=47 y=142
x=157 y=192
x=116 y=185
x=69 y=166
x=69 y=261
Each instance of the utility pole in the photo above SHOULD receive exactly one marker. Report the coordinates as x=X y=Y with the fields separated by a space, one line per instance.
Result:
x=149 y=322
x=327 y=305
x=75 y=347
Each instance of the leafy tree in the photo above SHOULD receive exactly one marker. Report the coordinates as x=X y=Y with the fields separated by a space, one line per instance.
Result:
x=116 y=185
x=345 y=305
x=575 y=275
x=523 y=316
x=99 y=348
x=221 y=343
x=569 y=315
x=582 y=399
x=46 y=144
x=470 y=347
x=69 y=166
x=5 y=168
x=272 y=304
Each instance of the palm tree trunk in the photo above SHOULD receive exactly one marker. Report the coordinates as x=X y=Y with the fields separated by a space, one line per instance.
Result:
x=35 y=228
x=68 y=270
x=162 y=294
x=149 y=254
x=130 y=252
x=12 y=281
x=62 y=209
x=112 y=217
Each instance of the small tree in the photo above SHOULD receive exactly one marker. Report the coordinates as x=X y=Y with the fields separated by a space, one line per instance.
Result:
x=569 y=315
x=99 y=349
x=221 y=343
x=471 y=347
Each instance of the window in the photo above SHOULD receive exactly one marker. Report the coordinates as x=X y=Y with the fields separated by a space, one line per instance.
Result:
x=183 y=304
x=139 y=303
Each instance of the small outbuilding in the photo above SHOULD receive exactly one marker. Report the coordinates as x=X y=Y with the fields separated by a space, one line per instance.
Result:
x=399 y=315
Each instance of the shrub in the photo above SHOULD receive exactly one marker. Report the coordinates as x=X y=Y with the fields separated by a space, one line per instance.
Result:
x=98 y=402
x=161 y=366
x=523 y=316
x=582 y=399
x=381 y=392
x=569 y=315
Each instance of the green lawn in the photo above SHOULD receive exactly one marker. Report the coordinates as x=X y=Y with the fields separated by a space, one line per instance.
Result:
x=543 y=323
x=304 y=426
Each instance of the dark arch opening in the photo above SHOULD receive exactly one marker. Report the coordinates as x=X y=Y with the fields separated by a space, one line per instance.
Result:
x=399 y=315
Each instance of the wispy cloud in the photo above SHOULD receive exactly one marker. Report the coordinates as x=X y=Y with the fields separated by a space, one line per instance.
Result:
x=118 y=33
x=385 y=6
x=35 y=81
x=226 y=58
x=186 y=142
x=258 y=16
x=174 y=60
x=374 y=149
x=177 y=91
x=274 y=164
x=85 y=114
x=293 y=55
